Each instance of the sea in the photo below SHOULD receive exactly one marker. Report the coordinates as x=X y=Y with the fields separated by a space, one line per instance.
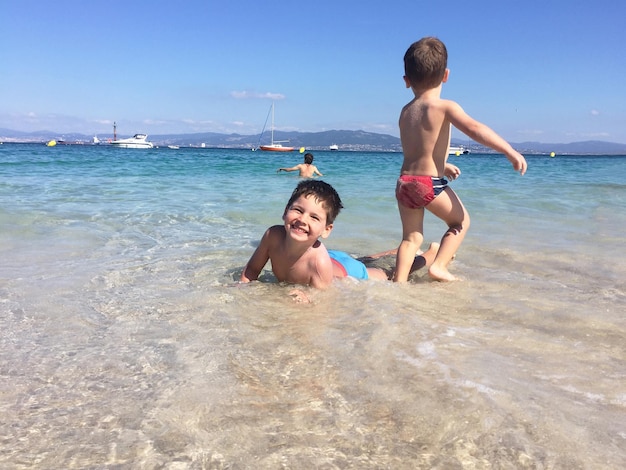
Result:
x=126 y=340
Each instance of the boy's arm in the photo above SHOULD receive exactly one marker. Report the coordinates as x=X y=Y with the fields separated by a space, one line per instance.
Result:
x=483 y=135
x=258 y=259
x=317 y=172
x=293 y=168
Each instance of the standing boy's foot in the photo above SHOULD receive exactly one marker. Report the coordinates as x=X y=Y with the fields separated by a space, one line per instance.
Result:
x=440 y=274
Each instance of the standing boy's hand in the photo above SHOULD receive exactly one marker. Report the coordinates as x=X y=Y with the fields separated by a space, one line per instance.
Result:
x=518 y=161
x=451 y=171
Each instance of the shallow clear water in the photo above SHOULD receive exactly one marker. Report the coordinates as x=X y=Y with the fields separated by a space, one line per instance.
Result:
x=127 y=343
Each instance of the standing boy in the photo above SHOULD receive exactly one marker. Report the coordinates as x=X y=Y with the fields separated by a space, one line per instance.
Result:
x=425 y=130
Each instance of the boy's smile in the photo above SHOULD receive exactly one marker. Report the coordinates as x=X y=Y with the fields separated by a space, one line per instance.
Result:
x=306 y=218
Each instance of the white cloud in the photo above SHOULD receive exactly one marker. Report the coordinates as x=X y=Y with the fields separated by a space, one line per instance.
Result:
x=596 y=135
x=243 y=95
x=530 y=132
x=595 y=112
x=380 y=127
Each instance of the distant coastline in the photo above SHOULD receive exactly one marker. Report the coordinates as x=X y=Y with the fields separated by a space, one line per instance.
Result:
x=353 y=141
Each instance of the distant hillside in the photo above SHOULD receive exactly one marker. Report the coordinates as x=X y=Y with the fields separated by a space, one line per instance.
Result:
x=595 y=147
x=345 y=140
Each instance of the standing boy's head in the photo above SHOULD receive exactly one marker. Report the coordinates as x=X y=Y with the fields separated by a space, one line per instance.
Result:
x=323 y=193
x=425 y=63
x=308 y=158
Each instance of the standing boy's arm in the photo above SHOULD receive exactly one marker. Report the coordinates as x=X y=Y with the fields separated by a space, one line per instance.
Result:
x=483 y=135
x=258 y=259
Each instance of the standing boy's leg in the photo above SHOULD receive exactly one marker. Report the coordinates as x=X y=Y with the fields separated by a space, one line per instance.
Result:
x=449 y=208
x=412 y=238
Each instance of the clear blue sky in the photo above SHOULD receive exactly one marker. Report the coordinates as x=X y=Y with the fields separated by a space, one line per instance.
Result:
x=536 y=70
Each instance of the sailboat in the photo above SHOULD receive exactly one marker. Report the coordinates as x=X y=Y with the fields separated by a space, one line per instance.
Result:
x=275 y=146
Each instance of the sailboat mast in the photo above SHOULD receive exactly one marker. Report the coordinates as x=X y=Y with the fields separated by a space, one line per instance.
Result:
x=272 y=123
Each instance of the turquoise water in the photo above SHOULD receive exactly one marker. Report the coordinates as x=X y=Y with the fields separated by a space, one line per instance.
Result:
x=127 y=343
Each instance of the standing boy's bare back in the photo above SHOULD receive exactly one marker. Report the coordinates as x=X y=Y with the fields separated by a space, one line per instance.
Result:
x=425 y=152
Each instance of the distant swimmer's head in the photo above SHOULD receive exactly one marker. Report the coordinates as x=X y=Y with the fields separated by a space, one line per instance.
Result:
x=322 y=192
x=425 y=63
x=308 y=158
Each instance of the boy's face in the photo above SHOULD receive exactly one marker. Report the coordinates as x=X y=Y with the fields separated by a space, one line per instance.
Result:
x=305 y=220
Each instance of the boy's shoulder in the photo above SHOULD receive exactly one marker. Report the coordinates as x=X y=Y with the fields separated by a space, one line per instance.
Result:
x=419 y=109
x=427 y=100
x=274 y=234
x=276 y=231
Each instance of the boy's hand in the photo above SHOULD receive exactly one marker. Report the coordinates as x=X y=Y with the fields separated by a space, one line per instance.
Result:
x=451 y=171
x=299 y=296
x=519 y=162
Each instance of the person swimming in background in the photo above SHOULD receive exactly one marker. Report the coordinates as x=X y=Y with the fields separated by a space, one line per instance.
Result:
x=299 y=257
x=425 y=129
x=306 y=169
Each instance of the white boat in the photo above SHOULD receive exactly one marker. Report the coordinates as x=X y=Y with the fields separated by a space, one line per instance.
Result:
x=334 y=147
x=173 y=147
x=275 y=145
x=138 y=141
x=96 y=141
x=460 y=150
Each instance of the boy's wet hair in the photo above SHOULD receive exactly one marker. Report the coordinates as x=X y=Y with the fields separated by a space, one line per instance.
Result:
x=308 y=158
x=425 y=63
x=322 y=192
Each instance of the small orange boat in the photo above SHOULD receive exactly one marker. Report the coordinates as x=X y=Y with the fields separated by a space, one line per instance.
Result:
x=275 y=147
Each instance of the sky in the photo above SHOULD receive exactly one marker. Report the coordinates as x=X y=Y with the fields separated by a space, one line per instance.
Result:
x=535 y=70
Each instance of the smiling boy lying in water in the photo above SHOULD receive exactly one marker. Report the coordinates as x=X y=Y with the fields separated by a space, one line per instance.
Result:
x=297 y=254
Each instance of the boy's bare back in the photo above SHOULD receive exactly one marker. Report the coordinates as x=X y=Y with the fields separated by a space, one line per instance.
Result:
x=308 y=170
x=425 y=135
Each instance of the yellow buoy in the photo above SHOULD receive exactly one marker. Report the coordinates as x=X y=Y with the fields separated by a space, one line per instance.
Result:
x=301 y=149
x=457 y=153
x=552 y=154
x=51 y=143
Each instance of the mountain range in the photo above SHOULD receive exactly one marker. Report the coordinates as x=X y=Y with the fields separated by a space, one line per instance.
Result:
x=344 y=139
